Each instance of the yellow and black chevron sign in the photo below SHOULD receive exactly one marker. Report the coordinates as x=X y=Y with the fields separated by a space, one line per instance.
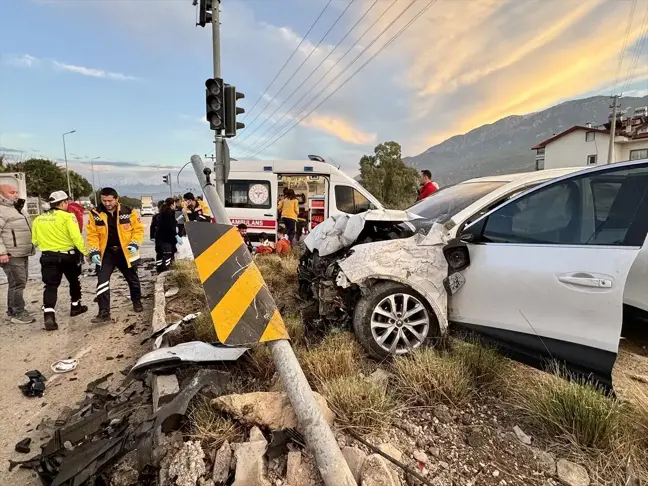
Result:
x=242 y=308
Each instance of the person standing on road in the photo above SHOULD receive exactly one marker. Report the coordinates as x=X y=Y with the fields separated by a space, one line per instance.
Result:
x=166 y=236
x=428 y=186
x=76 y=208
x=155 y=220
x=288 y=207
x=57 y=235
x=15 y=249
x=115 y=235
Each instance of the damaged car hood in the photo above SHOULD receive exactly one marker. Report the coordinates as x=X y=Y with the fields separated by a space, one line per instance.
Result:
x=342 y=230
x=417 y=262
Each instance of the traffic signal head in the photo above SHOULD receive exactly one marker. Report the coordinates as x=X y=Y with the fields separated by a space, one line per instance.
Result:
x=204 y=12
x=215 y=103
x=165 y=179
x=231 y=110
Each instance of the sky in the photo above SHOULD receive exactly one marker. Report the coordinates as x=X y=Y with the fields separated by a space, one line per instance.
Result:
x=128 y=75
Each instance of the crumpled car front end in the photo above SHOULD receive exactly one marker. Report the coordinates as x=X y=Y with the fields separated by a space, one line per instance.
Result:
x=375 y=274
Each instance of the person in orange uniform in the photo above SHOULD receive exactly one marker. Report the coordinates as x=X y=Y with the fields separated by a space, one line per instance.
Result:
x=115 y=234
x=283 y=244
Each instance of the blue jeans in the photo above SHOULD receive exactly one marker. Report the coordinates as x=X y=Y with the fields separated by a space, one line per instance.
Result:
x=16 y=271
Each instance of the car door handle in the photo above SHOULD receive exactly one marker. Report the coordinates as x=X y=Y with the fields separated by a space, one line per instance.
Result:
x=586 y=280
x=269 y=214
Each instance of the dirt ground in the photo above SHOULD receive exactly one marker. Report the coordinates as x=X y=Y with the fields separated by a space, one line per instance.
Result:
x=100 y=349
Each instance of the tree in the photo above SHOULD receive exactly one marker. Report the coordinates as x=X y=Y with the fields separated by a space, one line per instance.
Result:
x=386 y=176
x=80 y=185
x=131 y=202
x=44 y=176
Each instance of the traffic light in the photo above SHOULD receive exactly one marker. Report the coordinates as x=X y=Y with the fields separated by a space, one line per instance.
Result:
x=215 y=104
x=205 y=12
x=165 y=179
x=231 y=110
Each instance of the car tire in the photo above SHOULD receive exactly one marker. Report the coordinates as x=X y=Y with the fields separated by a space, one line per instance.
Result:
x=371 y=321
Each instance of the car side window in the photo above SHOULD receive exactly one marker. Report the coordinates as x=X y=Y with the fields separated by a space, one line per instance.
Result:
x=593 y=209
x=351 y=201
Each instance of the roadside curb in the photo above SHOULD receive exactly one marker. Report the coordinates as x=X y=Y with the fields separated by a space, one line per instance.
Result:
x=164 y=387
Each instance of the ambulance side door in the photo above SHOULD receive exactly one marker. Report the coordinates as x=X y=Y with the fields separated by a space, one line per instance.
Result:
x=251 y=198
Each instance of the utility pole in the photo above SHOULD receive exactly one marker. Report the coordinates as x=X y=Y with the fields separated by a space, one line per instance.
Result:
x=170 y=186
x=611 y=156
x=319 y=437
x=219 y=164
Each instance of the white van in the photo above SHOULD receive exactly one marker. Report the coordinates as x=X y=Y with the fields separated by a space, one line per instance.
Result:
x=253 y=189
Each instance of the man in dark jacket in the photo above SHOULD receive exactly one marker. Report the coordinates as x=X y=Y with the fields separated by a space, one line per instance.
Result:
x=155 y=220
x=15 y=249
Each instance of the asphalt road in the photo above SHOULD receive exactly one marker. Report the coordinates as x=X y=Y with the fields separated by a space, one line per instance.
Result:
x=147 y=251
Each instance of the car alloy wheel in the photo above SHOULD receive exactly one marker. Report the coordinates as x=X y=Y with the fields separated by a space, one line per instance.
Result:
x=399 y=323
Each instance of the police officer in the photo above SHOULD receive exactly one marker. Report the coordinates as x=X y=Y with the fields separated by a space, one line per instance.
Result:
x=115 y=234
x=57 y=234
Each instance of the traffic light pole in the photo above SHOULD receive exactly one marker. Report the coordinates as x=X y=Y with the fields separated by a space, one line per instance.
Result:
x=319 y=437
x=219 y=164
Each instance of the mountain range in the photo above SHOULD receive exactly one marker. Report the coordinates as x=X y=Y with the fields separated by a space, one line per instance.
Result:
x=505 y=146
x=497 y=148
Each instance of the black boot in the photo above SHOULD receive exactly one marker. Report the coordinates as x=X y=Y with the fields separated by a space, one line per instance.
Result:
x=102 y=318
x=137 y=306
x=76 y=310
x=50 y=321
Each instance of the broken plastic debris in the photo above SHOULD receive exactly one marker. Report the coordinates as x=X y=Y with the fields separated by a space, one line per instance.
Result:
x=35 y=387
x=23 y=446
x=191 y=352
x=65 y=365
x=172 y=292
x=160 y=333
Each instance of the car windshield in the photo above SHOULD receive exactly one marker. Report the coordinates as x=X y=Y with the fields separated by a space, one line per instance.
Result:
x=445 y=203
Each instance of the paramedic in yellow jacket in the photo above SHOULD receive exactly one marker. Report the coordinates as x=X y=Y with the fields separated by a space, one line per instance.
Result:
x=195 y=209
x=115 y=234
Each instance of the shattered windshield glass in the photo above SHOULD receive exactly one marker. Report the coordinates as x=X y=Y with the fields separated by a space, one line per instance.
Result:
x=444 y=204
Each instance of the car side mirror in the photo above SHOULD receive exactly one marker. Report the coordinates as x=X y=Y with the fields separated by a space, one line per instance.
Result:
x=457 y=255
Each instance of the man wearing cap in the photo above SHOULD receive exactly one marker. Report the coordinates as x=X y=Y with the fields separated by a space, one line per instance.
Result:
x=115 y=234
x=57 y=235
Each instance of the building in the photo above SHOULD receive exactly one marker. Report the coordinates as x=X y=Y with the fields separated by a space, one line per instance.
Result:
x=585 y=145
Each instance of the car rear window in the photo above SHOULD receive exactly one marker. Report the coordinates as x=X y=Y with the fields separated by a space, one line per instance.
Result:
x=445 y=203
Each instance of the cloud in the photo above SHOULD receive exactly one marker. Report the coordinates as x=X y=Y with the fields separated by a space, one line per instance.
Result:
x=340 y=129
x=93 y=73
x=24 y=60
x=461 y=65
x=29 y=61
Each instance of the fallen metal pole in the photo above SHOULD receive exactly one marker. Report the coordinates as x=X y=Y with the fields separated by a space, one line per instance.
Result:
x=319 y=437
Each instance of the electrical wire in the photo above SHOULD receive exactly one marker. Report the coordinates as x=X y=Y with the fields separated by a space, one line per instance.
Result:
x=260 y=141
x=638 y=51
x=288 y=60
x=269 y=117
x=625 y=44
x=403 y=29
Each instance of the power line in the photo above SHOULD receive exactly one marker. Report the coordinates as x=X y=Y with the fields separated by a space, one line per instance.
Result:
x=637 y=54
x=290 y=78
x=269 y=117
x=260 y=142
x=405 y=27
x=289 y=58
x=625 y=42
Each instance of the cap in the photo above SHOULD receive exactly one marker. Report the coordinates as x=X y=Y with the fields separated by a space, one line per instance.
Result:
x=58 y=196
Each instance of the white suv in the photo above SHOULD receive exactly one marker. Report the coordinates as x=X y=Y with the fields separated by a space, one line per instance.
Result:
x=536 y=263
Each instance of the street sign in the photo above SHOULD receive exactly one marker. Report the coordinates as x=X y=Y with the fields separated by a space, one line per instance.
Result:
x=242 y=308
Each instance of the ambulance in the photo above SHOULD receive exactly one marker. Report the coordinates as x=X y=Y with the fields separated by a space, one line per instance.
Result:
x=253 y=190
